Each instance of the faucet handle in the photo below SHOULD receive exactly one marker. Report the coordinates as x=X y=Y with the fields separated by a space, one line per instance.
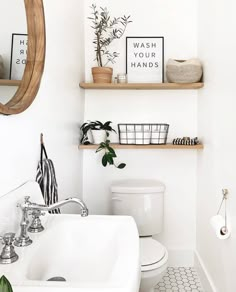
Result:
x=27 y=199
x=8 y=254
x=8 y=238
x=36 y=224
x=37 y=213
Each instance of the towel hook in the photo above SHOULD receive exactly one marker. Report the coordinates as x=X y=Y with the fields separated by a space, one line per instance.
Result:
x=41 y=139
x=225 y=192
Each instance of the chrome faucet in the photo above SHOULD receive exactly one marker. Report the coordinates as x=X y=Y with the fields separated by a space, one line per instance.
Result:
x=36 y=210
x=24 y=239
x=84 y=209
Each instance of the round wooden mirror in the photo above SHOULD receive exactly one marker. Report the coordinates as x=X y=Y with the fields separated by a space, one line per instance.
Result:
x=29 y=85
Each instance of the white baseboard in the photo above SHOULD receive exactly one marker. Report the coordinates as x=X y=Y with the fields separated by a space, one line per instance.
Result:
x=181 y=258
x=205 y=278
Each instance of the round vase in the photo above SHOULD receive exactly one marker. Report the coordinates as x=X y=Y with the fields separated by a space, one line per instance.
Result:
x=99 y=136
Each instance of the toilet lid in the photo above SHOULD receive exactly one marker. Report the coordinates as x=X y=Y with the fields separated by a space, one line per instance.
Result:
x=151 y=251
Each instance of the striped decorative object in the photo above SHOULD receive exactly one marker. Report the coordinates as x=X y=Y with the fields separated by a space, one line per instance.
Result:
x=46 y=178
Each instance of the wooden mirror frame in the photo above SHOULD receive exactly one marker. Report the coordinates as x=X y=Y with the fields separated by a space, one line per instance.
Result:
x=33 y=72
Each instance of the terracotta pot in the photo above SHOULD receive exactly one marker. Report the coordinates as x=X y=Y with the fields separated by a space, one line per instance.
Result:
x=102 y=74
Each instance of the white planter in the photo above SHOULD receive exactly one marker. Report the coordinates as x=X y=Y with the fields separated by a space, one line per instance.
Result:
x=99 y=136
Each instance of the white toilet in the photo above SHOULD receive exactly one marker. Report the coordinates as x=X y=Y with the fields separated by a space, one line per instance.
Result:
x=143 y=200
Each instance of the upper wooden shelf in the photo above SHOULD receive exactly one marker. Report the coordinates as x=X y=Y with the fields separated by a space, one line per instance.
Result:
x=167 y=146
x=141 y=86
x=6 y=82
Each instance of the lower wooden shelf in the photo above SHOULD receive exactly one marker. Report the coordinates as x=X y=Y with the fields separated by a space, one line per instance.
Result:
x=167 y=146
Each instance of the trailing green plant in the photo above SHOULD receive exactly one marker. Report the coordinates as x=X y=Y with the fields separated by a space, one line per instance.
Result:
x=94 y=125
x=109 y=155
x=5 y=285
x=109 y=152
x=106 y=30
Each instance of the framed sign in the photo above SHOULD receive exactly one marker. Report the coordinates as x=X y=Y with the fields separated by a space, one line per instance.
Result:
x=145 y=59
x=18 y=55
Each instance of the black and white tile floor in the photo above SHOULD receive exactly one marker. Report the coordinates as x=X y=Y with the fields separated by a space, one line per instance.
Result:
x=180 y=280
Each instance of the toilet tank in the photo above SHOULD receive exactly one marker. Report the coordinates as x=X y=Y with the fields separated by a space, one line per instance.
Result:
x=141 y=199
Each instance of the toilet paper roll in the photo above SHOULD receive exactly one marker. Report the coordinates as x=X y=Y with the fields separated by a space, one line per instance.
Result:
x=217 y=223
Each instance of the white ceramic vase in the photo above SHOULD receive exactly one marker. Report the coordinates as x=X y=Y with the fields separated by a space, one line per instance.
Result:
x=99 y=136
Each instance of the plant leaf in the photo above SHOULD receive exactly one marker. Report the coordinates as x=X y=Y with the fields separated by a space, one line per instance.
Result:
x=104 y=160
x=112 y=151
x=99 y=149
x=109 y=159
x=5 y=285
x=121 y=166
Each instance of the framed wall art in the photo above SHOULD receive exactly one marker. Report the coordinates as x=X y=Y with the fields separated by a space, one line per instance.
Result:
x=145 y=59
x=18 y=55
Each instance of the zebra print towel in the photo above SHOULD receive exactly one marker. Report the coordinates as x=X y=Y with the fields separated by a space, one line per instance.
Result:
x=46 y=179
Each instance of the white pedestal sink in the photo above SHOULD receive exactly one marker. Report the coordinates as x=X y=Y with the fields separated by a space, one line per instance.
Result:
x=94 y=253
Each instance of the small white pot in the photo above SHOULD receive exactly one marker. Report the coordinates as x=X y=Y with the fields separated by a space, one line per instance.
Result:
x=99 y=136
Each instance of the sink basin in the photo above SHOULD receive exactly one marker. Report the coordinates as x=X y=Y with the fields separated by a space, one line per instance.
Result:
x=95 y=253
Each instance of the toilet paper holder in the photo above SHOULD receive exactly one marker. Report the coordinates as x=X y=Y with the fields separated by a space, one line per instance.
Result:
x=224 y=229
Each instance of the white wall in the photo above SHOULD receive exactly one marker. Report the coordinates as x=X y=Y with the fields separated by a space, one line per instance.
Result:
x=56 y=111
x=216 y=122
x=176 y=21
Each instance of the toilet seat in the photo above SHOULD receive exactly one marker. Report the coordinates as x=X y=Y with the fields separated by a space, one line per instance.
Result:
x=152 y=253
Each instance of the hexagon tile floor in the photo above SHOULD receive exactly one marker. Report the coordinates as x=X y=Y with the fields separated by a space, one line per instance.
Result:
x=180 y=280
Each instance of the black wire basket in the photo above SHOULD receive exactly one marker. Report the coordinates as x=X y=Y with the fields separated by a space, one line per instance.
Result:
x=143 y=134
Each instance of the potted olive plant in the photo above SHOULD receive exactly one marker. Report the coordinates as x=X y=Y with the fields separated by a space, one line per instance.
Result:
x=106 y=30
x=5 y=285
x=96 y=127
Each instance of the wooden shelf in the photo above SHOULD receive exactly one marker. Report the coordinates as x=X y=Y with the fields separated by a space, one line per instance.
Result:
x=167 y=146
x=6 y=82
x=141 y=86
